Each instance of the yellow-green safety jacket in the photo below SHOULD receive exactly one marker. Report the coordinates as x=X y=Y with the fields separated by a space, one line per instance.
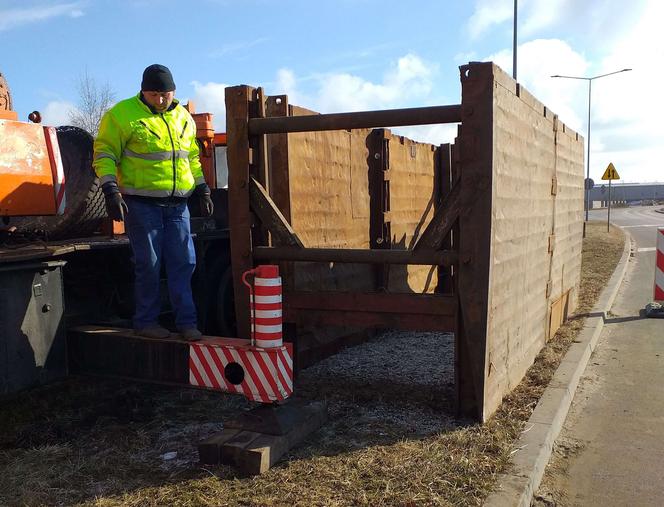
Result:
x=148 y=154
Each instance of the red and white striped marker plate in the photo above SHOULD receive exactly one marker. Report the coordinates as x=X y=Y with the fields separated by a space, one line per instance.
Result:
x=57 y=169
x=659 y=266
x=233 y=365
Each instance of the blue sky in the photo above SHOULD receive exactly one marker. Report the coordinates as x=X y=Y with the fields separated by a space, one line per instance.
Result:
x=344 y=55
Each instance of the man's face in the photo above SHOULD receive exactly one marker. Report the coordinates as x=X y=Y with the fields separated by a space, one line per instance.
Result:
x=160 y=101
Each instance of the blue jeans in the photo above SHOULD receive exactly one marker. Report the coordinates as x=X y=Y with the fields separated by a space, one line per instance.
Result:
x=159 y=233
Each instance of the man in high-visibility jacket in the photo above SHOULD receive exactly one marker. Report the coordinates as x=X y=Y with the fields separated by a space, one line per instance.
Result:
x=146 y=158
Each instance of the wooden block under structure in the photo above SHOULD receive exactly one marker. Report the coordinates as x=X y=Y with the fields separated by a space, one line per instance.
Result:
x=208 y=449
x=254 y=452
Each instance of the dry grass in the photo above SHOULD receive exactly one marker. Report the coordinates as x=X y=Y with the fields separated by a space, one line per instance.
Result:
x=99 y=442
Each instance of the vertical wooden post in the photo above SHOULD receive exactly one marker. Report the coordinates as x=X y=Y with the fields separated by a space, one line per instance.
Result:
x=277 y=147
x=238 y=99
x=476 y=180
x=444 y=180
x=379 y=200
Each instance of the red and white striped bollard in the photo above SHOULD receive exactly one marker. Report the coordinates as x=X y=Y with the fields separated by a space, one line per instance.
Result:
x=656 y=308
x=659 y=267
x=265 y=306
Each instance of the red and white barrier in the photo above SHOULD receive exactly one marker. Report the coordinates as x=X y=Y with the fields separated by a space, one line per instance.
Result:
x=265 y=306
x=235 y=366
x=261 y=368
x=659 y=267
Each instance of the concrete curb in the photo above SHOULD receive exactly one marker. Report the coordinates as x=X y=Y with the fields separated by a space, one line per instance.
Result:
x=533 y=449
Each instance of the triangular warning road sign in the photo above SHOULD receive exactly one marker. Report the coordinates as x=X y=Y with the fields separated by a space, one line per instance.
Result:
x=611 y=173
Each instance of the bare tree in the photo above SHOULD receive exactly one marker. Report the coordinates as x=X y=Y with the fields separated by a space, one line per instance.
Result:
x=94 y=100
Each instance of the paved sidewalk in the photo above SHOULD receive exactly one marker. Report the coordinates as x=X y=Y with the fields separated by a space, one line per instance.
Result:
x=615 y=427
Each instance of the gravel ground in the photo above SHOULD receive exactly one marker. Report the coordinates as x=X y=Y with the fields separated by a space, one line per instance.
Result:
x=398 y=384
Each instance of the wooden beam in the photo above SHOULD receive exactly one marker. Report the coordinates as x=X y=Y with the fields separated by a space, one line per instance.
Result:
x=238 y=99
x=442 y=222
x=356 y=255
x=422 y=304
x=476 y=138
x=357 y=120
x=271 y=217
x=374 y=320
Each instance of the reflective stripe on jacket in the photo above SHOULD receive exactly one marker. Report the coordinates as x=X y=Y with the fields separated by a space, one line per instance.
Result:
x=148 y=154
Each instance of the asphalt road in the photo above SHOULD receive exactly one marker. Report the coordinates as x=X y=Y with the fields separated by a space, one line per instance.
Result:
x=612 y=443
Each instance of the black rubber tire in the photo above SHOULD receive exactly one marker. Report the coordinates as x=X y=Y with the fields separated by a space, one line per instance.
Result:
x=85 y=201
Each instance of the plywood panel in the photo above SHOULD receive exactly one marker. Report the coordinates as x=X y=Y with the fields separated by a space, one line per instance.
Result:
x=531 y=153
x=413 y=191
x=330 y=203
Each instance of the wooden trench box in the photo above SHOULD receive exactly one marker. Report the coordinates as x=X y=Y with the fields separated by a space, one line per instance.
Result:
x=480 y=237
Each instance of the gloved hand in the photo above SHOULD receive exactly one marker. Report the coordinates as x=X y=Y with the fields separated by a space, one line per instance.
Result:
x=115 y=205
x=204 y=196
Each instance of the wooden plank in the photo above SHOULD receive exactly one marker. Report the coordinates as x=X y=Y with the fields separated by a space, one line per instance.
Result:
x=356 y=255
x=373 y=319
x=443 y=221
x=278 y=164
x=119 y=352
x=379 y=234
x=357 y=120
x=271 y=217
x=423 y=304
x=475 y=186
x=266 y=450
x=237 y=117
x=208 y=449
x=232 y=449
x=444 y=170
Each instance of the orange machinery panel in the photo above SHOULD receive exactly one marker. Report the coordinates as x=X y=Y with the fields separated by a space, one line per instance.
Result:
x=26 y=177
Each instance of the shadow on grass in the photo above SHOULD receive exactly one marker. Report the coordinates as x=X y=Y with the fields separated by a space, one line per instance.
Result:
x=85 y=438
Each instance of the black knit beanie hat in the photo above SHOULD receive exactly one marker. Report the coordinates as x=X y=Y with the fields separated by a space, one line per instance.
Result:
x=157 y=78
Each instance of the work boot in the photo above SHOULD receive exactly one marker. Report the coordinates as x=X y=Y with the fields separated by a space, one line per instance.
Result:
x=153 y=332
x=191 y=334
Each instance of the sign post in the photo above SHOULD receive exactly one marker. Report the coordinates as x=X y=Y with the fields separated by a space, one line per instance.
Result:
x=610 y=174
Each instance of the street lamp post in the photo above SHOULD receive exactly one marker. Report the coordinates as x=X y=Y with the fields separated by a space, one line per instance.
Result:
x=514 y=48
x=590 y=86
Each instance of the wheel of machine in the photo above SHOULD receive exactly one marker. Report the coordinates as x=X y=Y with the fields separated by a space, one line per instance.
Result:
x=5 y=96
x=85 y=201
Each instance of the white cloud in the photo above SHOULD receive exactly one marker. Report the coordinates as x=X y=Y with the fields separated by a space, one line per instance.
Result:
x=407 y=83
x=538 y=61
x=211 y=98
x=541 y=14
x=487 y=14
x=12 y=18
x=56 y=113
x=590 y=20
x=626 y=114
x=433 y=134
x=408 y=80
